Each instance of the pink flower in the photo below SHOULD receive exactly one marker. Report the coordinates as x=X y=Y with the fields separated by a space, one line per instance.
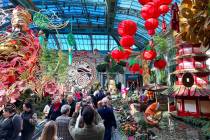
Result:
x=50 y=87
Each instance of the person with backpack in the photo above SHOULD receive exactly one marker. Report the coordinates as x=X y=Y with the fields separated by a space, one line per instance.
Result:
x=29 y=121
x=11 y=126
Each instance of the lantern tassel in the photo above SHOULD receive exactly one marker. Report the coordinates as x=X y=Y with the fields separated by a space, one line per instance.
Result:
x=151 y=43
x=164 y=25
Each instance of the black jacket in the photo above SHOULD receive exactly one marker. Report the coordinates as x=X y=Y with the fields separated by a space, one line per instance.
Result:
x=107 y=115
x=27 y=125
x=54 y=114
x=10 y=128
x=72 y=109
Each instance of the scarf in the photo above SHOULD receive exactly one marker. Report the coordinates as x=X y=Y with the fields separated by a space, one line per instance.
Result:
x=56 y=106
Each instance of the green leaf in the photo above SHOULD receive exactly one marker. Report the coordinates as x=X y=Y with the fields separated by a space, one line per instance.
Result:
x=120 y=48
x=132 y=62
x=160 y=44
x=41 y=20
x=122 y=63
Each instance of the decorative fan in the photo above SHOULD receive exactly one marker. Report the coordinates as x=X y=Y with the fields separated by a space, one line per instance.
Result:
x=188 y=80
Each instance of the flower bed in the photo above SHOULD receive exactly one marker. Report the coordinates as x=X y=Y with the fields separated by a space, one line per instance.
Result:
x=202 y=123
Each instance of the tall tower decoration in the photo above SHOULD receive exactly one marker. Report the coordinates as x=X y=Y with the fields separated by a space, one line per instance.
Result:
x=192 y=95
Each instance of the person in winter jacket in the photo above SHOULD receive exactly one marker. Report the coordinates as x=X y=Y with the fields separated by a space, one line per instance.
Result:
x=29 y=121
x=10 y=127
x=55 y=109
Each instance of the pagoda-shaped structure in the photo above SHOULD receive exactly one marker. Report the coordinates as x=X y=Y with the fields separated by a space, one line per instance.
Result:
x=191 y=93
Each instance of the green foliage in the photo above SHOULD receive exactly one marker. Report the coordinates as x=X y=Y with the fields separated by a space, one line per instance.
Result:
x=161 y=44
x=171 y=53
x=41 y=20
x=49 y=61
x=162 y=77
x=152 y=76
x=110 y=66
x=202 y=123
x=122 y=63
x=102 y=67
x=37 y=102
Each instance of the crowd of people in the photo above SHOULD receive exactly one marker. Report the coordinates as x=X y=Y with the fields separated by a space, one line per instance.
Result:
x=70 y=117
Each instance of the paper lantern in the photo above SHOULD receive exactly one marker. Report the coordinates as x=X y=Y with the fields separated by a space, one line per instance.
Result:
x=127 y=27
x=120 y=29
x=164 y=9
x=158 y=2
x=149 y=54
x=160 y=64
x=151 y=32
x=151 y=24
x=162 y=2
x=150 y=10
x=117 y=55
x=126 y=54
x=167 y=2
x=143 y=2
x=134 y=68
x=141 y=71
x=127 y=41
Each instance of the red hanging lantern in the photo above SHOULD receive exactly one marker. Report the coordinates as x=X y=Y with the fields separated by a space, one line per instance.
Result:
x=151 y=24
x=143 y=2
x=116 y=55
x=127 y=27
x=151 y=32
x=141 y=71
x=160 y=64
x=134 y=68
x=149 y=54
x=120 y=29
x=150 y=10
x=158 y=2
x=167 y=2
x=163 y=9
x=126 y=54
x=127 y=41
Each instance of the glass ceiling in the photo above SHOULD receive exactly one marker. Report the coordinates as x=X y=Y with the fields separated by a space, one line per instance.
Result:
x=83 y=42
x=90 y=21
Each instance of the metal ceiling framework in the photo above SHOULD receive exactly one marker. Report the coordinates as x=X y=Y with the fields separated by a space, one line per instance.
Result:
x=93 y=17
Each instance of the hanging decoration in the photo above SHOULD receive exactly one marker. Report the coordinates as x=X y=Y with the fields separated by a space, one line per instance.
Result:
x=70 y=56
x=127 y=27
x=160 y=63
x=72 y=42
x=151 y=24
x=150 y=12
x=45 y=22
x=127 y=41
x=135 y=66
x=143 y=2
x=149 y=54
x=118 y=55
x=175 y=17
